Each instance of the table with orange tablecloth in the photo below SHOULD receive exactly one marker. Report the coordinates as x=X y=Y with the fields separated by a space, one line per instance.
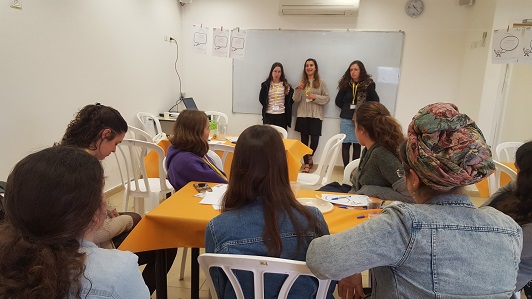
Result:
x=180 y=221
x=295 y=150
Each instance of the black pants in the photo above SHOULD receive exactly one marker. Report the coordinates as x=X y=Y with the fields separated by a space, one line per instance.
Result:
x=314 y=140
x=345 y=152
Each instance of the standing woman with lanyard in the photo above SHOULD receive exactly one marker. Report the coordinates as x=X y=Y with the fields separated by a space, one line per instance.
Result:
x=311 y=94
x=276 y=98
x=354 y=88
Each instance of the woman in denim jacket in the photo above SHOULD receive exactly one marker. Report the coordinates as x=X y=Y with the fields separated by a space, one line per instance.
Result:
x=260 y=215
x=442 y=246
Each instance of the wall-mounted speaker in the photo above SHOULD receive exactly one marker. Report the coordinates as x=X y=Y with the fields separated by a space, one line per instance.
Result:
x=465 y=2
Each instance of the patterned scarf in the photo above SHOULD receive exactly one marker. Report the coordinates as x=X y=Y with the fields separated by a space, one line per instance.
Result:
x=362 y=90
x=446 y=148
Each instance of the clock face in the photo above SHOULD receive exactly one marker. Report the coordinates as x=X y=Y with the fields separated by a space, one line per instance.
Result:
x=414 y=8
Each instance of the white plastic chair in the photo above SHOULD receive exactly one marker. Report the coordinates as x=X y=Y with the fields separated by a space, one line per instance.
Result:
x=506 y=151
x=130 y=158
x=348 y=170
x=216 y=159
x=150 y=123
x=258 y=265
x=224 y=148
x=217 y=116
x=325 y=168
x=281 y=131
x=494 y=180
x=138 y=134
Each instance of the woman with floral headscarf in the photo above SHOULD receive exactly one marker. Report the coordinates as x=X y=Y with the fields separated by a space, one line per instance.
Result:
x=441 y=246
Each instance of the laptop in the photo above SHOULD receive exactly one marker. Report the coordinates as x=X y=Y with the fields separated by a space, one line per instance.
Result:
x=190 y=104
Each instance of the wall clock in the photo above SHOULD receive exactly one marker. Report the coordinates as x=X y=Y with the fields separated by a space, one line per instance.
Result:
x=414 y=8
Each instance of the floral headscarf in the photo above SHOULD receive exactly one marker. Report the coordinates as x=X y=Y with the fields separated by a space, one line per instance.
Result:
x=446 y=148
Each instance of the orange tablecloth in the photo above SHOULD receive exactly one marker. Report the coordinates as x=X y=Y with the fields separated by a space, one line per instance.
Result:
x=180 y=221
x=482 y=186
x=295 y=150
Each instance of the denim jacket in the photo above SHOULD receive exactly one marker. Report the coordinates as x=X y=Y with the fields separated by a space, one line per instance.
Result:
x=445 y=248
x=111 y=274
x=240 y=232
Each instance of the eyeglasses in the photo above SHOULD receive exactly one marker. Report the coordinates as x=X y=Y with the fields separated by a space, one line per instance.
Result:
x=400 y=172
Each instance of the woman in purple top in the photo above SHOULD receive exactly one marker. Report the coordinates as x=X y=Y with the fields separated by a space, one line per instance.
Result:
x=186 y=159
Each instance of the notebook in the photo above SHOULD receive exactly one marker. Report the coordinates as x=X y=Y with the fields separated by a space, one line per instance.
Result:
x=190 y=104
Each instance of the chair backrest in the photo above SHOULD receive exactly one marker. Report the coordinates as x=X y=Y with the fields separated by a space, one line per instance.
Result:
x=258 y=265
x=281 y=131
x=138 y=134
x=494 y=181
x=348 y=170
x=223 y=151
x=216 y=159
x=506 y=151
x=329 y=157
x=217 y=116
x=130 y=159
x=150 y=123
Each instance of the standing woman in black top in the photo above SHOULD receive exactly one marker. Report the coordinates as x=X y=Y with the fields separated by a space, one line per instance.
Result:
x=276 y=98
x=354 y=88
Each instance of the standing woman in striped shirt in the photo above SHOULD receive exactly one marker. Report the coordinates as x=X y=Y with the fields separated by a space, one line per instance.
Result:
x=276 y=98
x=312 y=95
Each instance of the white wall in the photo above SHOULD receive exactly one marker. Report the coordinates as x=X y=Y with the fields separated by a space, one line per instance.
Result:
x=56 y=56
x=435 y=55
x=497 y=127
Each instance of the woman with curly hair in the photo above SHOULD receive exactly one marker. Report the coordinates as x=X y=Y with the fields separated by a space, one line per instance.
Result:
x=54 y=205
x=354 y=88
x=98 y=129
x=381 y=135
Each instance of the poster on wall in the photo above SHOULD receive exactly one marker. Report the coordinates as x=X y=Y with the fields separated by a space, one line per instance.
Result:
x=512 y=45
x=199 y=36
x=220 y=42
x=238 y=44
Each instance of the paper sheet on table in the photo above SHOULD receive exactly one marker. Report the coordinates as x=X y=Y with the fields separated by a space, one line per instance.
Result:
x=216 y=142
x=347 y=200
x=214 y=198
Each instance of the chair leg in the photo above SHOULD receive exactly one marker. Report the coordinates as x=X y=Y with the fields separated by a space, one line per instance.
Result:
x=183 y=263
x=125 y=201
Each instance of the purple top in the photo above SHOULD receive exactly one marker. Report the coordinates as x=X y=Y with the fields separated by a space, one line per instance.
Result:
x=184 y=167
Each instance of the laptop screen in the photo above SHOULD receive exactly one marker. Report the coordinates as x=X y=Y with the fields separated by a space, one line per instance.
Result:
x=190 y=104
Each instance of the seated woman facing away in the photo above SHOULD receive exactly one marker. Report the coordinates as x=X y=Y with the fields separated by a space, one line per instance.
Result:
x=515 y=200
x=260 y=215
x=186 y=159
x=54 y=205
x=381 y=135
x=99 y=129
x=441 y=246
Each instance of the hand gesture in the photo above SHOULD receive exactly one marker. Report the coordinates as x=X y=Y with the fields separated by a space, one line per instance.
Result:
x=301 y=85
x=351 y=287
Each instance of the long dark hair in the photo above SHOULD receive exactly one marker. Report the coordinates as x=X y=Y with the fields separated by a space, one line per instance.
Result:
x=345 y=81
x=518 y=203
x=382 y=128
x=85 y=130
x=188 y=132
x=51 y=199
x=259 y=171
x=316 y=82
x=282 y=78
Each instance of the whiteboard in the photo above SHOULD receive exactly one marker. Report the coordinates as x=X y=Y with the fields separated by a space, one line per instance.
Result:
x=333 y=50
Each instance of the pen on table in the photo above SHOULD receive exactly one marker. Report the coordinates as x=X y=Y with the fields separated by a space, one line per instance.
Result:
x=351 y=208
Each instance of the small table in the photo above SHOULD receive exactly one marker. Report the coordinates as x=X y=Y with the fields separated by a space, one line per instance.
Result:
x=180 y=221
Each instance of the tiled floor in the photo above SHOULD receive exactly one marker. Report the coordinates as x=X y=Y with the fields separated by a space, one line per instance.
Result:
x=181 y=288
